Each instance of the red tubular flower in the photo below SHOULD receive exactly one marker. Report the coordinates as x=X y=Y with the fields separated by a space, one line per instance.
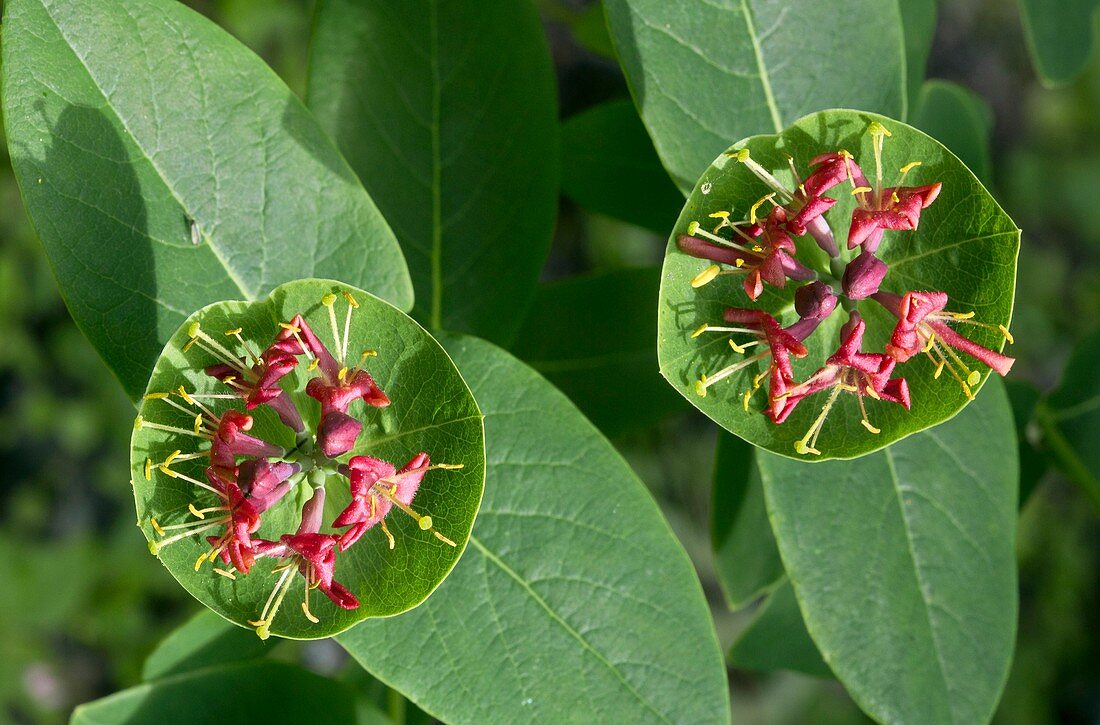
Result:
x=780 y=347
x=881 y=208
x=376 y=487
x=863 y=275
x=230 y=441
x=763 y=254
x=265 y=483
x=313 y=555
x=848 y=370
x=924 y=326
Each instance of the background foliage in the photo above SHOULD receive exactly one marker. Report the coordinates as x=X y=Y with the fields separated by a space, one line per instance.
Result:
x=83 y=602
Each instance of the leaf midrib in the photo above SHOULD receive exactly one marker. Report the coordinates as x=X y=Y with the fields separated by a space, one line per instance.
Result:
x=765 y=79
x=229 y=271
x=555 y=617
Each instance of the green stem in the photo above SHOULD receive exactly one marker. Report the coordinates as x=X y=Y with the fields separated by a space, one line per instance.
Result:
x=1064 y=455
x=395 y=706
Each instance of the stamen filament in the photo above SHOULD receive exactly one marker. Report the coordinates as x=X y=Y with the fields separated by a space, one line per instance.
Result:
x=329 y=301
x=140 y=423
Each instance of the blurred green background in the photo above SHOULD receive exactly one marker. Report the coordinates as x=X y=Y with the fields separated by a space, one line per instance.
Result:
x=82 y=602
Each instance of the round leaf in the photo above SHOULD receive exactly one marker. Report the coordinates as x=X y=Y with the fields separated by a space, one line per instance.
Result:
x=431 y=410
x=965 y=245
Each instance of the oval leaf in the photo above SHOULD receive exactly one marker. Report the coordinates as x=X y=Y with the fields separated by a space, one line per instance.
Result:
x=965 y=246
x=431 y=410
x=166 y=167
x=205 y=640
x=746 y=559
x=918 y=20
x=961 y=120
x=570 y=563
x=904 y=564
x=448 y=113
x=231 y=693
x=609 y=166
x=607 y=366
x=703 y=73
x=1059 y=37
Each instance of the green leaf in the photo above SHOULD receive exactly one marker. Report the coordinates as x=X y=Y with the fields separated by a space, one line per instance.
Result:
x=965 y=246
x=593 y=337
x=777 y=639
x=1070 y=418
x=204 y=640
x=918 y=21
x=448 y=113
x=573 y=581
x=431 y=410
x=959 y=119
x=609 y=166
x=703 y=73
x=137 y=128
x=746 y=559
x=1060 y=37
x=267 y=692
x=904 y=564
x=589 y=28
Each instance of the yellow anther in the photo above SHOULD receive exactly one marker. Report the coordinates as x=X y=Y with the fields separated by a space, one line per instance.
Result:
x=425 y=523
x=342 y=374
x=148 y=469
x=226 y=574
x=745 y=399
x=313 y=364
x=190 y=344
x=910 y=166
x=263 y=630
x=894 y=197
x=706 y=276
x=234 y=331
x=195 y=512
x=931 y=341
x=368 y=353
x=939 y=369
x=720 y=215
x=328 y=300
x=182 y=392
x=167 y=471
x=200 y=560
x=867 y=424
x=289 y=327
x=699 y=330
x=389 y=536
x=450 y=466
x=193 y=330
x=154 y=548
x=309 y=614
x=877 y=129
x=172 y=456
x=757 y=205
x=351 y=300
x=156 y=527
x=973 y=378
x=736 y=348
x=742 y=155
x=137 y=422
x=444 y=539
x=861 y=190
x=701 y=387
x=757 y=248
x=198 y=423
x=155 y=396
x=692 y=228
x=740 y=262
x=963 y=315
x=1007 y=334
x=803 y=448
x=873 y=393
x=845 y=154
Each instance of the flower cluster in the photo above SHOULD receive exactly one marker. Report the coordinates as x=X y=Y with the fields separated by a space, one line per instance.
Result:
x=762 y=250
x=248 y=476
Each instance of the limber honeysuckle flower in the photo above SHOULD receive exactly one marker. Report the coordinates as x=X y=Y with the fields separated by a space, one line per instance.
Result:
x=248 y=475
x=925 y=327
x=764 y=249
x=762 y=252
